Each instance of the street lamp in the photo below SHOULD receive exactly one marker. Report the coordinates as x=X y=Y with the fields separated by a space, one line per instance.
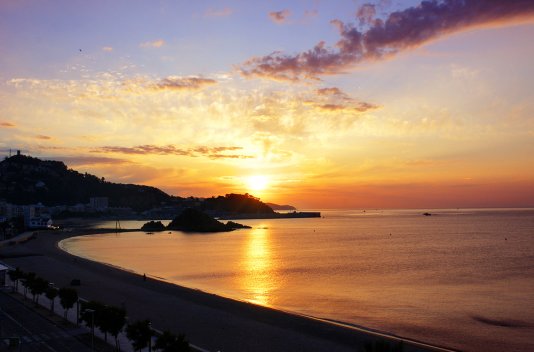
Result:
x=149 y=336
x=92 y=312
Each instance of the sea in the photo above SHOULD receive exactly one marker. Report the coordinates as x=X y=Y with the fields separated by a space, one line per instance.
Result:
x=459 y=278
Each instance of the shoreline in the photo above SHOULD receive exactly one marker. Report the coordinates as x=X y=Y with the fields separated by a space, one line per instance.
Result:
x=210 y=321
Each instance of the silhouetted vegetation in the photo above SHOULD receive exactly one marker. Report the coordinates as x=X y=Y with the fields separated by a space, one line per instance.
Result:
x=153 y=226
x=27 y=180
x=193 y=220
x=108 y=319
x=236 y=203
x=51 y=293
x=140 y=334
x=67 y=297
x=37 y=287
x=168 y=342
x=15 y=276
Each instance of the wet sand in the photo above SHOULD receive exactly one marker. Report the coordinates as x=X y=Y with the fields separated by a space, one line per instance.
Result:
x=209 y=321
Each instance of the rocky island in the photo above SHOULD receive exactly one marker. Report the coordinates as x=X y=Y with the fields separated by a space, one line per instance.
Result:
x=193 y=220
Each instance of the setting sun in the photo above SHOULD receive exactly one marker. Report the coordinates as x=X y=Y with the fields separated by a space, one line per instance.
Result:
x=257 y=182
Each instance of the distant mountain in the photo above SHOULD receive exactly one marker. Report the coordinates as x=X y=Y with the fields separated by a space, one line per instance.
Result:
x=28 y=180
x=281 y=207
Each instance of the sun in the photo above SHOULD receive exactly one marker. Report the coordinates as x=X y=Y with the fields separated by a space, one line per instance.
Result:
x=257 y=182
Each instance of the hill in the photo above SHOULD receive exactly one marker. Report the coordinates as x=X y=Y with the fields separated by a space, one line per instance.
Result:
x=281 y=207
x=237 y=204
x=28 y=180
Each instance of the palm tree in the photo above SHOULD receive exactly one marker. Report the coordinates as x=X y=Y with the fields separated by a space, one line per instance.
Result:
x=15 y=276
x=37 y=287
x=67 y=297
x=168 y=342
x=27 y=281
x=114 y=319
x=140 y=334
x=51 y=293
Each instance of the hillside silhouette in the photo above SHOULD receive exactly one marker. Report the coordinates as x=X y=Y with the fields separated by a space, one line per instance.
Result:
x=28 y=180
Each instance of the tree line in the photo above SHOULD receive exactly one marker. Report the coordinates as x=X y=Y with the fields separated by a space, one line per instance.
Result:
x=107 y=318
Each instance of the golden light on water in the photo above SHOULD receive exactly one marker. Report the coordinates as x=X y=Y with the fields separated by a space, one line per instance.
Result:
x=259 y=278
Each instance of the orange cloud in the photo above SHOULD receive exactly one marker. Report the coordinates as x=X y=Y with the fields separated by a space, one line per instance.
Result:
x=107 y=48
x=6 y=124
x=378 y=38
x=43 y=137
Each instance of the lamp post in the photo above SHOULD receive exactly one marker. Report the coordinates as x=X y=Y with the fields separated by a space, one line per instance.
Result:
x=92 y=312
x=150 y=336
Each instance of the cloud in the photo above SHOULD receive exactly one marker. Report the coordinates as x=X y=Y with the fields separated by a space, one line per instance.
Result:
x=210 y=152
x=89 y=160
x=184 y=83
x=334 y=99
x=107 y=48
x=6 y=124
x=358 y=107
x=43 y=137
x=378 y=38
x=153 y=44
x=218 y=12
x=279 y=16
x=329 y=91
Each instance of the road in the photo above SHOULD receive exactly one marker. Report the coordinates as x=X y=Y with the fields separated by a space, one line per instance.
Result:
x=35 y=332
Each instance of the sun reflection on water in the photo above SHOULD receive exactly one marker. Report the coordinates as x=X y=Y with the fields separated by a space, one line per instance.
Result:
x=258 y=277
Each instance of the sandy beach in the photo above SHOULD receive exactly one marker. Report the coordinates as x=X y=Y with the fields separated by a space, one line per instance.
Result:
x=211 y=322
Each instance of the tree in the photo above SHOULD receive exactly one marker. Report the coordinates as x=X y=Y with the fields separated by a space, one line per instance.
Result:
x=15 y=276
x=113 y=320
x=37 y=287
x=168 y=342
x=26 y=281
x=91 y=313
x=4 y=225
x=139 y=333
x=67 y=297
x=51 y=293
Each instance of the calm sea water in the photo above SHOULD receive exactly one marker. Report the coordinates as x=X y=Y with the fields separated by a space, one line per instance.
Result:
x=459 y=278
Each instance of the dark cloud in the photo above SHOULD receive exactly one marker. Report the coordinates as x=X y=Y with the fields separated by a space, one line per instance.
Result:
x=6 y=124
x=184 y=83
x=377 y=38
x=210 y=152
x=88 y=160
x=279 y=16
x=43 y=137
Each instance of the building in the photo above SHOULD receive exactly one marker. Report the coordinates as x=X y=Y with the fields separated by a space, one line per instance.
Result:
x=99 y=203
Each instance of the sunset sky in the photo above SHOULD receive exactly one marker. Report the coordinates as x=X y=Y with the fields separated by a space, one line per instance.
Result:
x=319 y=104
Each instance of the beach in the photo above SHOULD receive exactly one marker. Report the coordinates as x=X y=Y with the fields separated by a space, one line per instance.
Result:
x=209 y=321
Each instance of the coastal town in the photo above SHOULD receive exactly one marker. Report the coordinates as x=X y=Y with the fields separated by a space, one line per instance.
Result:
x=33 y=196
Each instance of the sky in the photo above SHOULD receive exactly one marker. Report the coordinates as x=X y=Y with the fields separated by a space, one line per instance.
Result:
x=318 y=104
